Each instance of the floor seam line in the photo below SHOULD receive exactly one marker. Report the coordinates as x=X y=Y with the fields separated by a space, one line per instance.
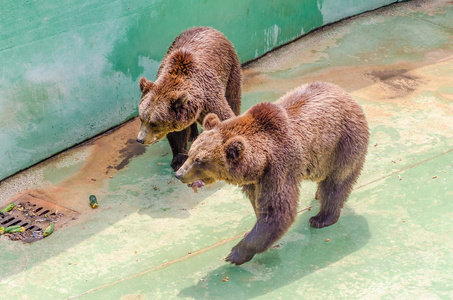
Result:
x=425 y=20
x=159 y=267
x=404 y=169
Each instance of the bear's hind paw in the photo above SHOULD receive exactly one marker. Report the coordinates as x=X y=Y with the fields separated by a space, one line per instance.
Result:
x=320 y=221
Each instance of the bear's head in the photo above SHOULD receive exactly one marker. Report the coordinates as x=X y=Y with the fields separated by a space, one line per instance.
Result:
x=224 y=151
x=162 y=110
x=168 y=104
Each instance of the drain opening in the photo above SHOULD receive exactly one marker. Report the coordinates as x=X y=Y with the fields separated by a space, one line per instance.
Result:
x=44 y=212
x=35 y=215
x=15 y=223
x=7 y=221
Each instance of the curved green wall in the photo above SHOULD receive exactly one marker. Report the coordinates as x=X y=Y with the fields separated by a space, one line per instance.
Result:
x=70 y=69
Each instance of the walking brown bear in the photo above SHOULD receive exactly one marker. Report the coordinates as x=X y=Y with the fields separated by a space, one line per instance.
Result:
x=200 y=74
x=315 y=132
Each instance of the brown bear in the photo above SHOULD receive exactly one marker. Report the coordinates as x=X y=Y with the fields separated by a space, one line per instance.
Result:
x=315 y=132
x=200 y=74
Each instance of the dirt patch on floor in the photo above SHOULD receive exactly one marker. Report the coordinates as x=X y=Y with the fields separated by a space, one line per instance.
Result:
x=396 y=83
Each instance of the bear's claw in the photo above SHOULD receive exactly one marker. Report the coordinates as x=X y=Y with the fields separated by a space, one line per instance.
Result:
x=238 y=257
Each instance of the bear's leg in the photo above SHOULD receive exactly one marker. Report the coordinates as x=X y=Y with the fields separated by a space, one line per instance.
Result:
x=332 y=194
x=193 y=132
x=233 y=89
x=276 y=213
x=178 y=142
x=268 y=229
x=250 y=192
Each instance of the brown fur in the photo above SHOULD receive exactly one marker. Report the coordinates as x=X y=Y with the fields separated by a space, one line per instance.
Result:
x=315 y=132
x=200 y=74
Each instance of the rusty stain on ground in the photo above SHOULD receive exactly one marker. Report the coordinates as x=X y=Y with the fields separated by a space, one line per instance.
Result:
x=133 y=149
x=109 y=153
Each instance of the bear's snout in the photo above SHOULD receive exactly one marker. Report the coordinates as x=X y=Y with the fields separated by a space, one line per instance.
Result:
x=141 y=141
x=178 y=175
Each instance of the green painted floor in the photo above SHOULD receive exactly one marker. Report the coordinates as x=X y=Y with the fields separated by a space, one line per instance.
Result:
x=153 y=238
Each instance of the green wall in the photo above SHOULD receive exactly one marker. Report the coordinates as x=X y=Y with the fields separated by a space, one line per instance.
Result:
x=70 y=69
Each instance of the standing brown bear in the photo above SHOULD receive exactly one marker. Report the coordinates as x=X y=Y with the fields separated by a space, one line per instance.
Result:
x=200 y=74
x=315 y=132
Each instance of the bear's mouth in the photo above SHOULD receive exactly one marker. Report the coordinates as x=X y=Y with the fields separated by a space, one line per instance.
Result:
x=151 y=141
x=197 y=184
x=156 y=138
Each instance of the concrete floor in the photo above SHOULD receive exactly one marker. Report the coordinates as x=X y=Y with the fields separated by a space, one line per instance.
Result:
x=153 y=238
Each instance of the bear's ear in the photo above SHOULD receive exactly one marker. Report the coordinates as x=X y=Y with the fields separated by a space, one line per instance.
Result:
x=145 y=85
x=234 y=149
x=210 y=121
x=179 y=102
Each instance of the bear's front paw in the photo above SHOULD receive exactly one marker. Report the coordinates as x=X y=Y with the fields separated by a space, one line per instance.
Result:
x=239 y=256
x=320 y=221
x=178 y=161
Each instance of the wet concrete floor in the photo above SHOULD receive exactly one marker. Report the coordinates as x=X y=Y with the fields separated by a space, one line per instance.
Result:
x=153 y=238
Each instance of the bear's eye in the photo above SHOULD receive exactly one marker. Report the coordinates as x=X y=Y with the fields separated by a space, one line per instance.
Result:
x=152 y=125
x=197 y=161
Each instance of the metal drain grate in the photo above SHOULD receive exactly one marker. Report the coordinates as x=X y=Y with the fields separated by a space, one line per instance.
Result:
x=34 y=214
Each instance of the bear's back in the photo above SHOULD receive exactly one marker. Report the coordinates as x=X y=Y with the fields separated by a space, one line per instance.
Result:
x=211 y=52
x=197 y=38
x=320 y=115
x=320 y=106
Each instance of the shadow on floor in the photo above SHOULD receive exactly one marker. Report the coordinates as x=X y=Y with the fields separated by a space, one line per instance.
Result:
x=279 y=267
